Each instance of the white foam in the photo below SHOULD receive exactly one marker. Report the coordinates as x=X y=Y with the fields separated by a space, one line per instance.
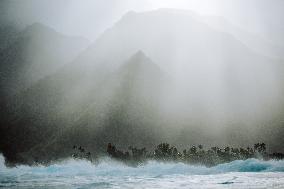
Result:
x=111 y=174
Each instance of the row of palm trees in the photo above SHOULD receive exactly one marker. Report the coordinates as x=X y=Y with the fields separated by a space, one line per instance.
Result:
x=193 y=155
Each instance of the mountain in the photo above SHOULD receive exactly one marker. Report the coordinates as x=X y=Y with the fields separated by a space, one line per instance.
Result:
x=217 y=74
x=253 y=41
x=205 y=86
x=123 y=108
x=126 y=111
x=35 y=52
x=220 y=84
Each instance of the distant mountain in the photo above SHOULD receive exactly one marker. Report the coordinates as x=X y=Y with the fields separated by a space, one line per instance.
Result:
x=212 y=69
x=253 y=41
x=123 y=108
x=205 y=87
x=33 y=54
x=219 y=82
x=125 y=111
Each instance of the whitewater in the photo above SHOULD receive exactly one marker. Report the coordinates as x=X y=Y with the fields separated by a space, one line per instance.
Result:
x=251 y=173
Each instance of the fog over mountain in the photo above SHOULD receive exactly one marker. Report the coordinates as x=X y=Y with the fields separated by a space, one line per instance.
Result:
x=161 y=75
x=264 y=18
x=34 y=53
x=254 y=41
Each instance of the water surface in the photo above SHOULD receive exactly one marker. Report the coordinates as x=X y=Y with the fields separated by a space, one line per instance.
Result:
x=251 y=173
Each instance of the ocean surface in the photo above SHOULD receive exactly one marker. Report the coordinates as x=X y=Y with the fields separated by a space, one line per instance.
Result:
x=251 y=173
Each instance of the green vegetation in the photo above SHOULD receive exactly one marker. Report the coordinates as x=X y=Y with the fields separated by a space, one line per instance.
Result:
x=193 y=155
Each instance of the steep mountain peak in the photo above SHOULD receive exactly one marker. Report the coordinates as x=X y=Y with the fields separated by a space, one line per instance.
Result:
x=139 y=63
x=139 y=55
x=40 y=31
x=139 y=59
x=33 y=53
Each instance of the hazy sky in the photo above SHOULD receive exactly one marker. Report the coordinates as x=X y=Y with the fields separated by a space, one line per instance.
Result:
x=89 y=18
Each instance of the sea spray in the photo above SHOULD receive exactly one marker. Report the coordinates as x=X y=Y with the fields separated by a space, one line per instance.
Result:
x=109 y=166
x=108 y=173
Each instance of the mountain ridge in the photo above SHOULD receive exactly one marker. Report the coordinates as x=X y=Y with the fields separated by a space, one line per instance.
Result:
x=196 y=79
x=120 y=98
x=36 y=52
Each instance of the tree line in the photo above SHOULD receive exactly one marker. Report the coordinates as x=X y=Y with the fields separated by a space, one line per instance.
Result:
x=193 y=155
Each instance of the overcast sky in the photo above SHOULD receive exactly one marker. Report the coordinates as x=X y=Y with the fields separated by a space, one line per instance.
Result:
x=89 y=18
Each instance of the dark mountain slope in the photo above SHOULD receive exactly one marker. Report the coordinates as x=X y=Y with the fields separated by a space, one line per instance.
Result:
x=124 y=107
x=35 y=53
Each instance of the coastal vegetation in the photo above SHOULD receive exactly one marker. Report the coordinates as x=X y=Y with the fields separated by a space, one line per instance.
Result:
x=193 y=155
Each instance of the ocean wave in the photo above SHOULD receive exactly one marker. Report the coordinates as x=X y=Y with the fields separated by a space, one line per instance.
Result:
x=152 y=168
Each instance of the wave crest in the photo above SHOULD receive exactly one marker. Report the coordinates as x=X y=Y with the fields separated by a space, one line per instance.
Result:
x=154 y=168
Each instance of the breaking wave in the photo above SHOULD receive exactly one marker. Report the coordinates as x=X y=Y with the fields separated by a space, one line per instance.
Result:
x=111 y=167
x=251 y=173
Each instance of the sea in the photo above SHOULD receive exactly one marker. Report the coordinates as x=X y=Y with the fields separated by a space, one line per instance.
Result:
x=251 y=173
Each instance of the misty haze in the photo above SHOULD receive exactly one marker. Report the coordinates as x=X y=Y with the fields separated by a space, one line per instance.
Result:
x=120 y=84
